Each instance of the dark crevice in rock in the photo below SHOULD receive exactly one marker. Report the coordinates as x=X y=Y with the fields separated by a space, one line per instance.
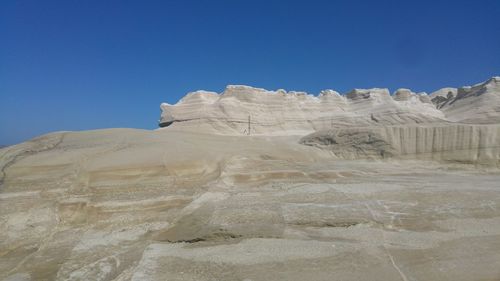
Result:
x=217 y=236
x=344 y=224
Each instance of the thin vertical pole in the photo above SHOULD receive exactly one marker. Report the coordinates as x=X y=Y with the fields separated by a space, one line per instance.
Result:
x=248 y=124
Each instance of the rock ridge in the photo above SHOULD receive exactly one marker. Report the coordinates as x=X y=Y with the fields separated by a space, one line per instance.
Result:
x=241 y=109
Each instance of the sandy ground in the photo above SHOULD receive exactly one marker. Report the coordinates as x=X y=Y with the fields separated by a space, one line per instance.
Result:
x=126 y=204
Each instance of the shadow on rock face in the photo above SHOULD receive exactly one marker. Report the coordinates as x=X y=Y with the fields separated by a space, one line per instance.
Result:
x=352 y=143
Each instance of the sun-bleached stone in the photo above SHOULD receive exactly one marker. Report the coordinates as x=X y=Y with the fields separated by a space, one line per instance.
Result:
x=473 y=104
x=359 y=186
x=239 y=109
x=463 y=143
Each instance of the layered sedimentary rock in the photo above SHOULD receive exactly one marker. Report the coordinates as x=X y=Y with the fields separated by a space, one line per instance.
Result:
x=334 y=186
x=478 y=104
x=446 y=125
x=477 y=144
x=241 y=108
x=125 y=204
x=443 y=96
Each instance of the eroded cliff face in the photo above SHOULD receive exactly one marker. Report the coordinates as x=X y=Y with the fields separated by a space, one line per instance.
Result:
x=459 y=125
x=463 y=143
x=282 y=113
x=478 y=104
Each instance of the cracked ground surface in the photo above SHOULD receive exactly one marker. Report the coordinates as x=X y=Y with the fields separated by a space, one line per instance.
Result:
x=127 y=204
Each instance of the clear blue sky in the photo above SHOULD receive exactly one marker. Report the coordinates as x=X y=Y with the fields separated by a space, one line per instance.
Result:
x=74 y=65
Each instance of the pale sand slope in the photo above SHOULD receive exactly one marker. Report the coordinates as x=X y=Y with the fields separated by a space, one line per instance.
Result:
x=125 y=204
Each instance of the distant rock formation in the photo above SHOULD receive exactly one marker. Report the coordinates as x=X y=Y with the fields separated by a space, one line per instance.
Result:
x=469 y=133
x=479 y=104
x=443 y=96
x=281 y=112
x=242 y=108
x=461 y=125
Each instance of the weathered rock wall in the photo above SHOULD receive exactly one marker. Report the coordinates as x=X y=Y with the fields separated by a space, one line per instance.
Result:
x=475 y=144
x=478 y=104
x=280 y=112
x=240 y=109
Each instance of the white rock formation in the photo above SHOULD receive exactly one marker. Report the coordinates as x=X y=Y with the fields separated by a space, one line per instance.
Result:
x=126 y=204
x=361 y=123
x=473 y=144
x=180 y=204
x=472 y=104
x=281 y=112
x=442 y=96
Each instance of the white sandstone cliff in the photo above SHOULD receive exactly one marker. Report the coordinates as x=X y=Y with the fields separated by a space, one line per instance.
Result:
x=478 y=104
x=281 y=112
x=460 y=125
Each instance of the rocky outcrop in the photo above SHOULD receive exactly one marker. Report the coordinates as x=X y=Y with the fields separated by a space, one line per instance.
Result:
x=240 y=109
x=443 y=96
x=247 y=110
x=460 y=125
x=128 y=204
x=472 y=104
x=473 y=144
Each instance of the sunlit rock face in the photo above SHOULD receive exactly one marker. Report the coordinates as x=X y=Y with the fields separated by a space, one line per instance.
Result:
x=450 y=124
x=463 y=143
x=281 y=113
x=257 y=185
x=473 y=104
